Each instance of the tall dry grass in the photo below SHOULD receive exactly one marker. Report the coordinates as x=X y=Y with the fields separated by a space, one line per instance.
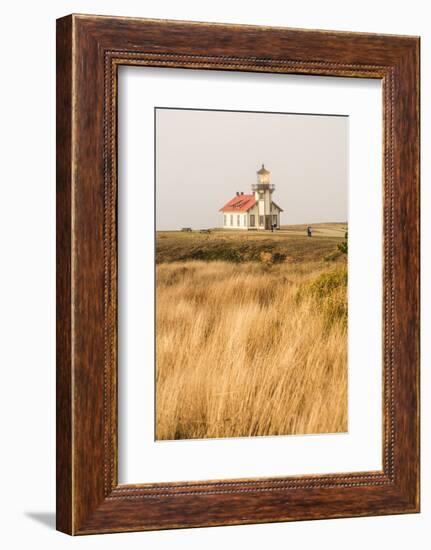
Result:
x=250 y=349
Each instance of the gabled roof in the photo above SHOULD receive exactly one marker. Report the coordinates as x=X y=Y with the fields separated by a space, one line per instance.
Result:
x=240 y=203
x=276 y=205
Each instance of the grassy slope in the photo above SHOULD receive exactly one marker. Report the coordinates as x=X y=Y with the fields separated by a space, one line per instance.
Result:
x=290 y=244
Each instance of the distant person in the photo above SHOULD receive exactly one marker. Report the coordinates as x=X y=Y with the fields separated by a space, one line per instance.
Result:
x=272 y=227
x=309 y=232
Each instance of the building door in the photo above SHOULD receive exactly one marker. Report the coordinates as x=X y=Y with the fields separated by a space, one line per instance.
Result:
x=267 y=222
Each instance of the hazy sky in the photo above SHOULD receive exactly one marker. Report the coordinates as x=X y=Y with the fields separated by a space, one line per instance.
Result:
x=204 y=157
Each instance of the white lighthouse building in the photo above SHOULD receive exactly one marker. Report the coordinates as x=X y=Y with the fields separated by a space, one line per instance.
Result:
x=256 y=210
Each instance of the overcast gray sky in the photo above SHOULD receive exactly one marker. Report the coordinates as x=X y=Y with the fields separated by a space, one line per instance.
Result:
x=204 y=157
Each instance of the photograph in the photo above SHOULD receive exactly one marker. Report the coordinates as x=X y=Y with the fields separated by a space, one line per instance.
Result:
x=251 y=273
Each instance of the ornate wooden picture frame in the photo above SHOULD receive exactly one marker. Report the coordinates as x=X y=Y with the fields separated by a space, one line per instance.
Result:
x=89 y=51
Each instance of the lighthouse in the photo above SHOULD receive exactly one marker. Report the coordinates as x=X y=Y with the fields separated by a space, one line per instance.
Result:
x=254 y=211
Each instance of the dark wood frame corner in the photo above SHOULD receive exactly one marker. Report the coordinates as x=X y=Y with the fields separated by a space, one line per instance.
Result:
x=89 y=51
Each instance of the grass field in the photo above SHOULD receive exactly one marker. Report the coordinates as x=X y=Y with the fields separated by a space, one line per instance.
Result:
x=251 y=333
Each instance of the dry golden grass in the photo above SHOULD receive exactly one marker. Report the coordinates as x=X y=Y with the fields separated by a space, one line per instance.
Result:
x=250 y=349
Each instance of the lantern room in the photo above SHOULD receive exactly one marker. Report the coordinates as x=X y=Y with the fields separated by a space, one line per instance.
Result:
x=263 y=176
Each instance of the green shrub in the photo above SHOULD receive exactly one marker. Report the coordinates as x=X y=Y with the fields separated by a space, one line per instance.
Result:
x=278 y=257
x=215 y=254
x=328 y=292
x=343 y=247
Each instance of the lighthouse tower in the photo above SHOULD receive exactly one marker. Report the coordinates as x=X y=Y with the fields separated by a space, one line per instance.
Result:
x=263 y=190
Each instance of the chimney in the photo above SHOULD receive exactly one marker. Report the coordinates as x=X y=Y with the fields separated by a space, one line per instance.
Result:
x=238 y=193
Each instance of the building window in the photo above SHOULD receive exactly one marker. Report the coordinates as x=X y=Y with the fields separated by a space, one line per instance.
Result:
x=225 y=219
x=261 y=220
x=252 y=221
x=231 y=219
x=274 y=220
x=237 y=220
x=245 y=220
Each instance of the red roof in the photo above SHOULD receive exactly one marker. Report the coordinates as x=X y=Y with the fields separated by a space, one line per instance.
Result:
x=240 y=203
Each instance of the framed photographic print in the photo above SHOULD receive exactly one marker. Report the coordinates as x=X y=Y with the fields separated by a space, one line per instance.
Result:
x=237 y=274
